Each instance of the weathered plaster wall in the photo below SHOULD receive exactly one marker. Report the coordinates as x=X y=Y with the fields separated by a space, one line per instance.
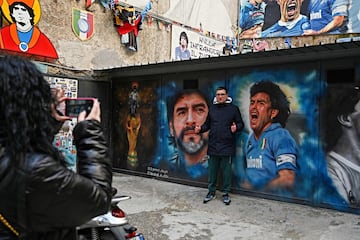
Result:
x=104 y=49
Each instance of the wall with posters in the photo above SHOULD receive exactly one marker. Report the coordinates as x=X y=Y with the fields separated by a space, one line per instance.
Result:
x=74 y=88
x=64 y=139
x=152 y=138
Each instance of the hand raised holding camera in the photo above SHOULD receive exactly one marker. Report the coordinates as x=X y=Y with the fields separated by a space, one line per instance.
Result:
x=59 y=96
x=95 y=113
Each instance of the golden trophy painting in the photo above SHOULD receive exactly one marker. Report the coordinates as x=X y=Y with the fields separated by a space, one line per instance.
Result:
x=133 y=124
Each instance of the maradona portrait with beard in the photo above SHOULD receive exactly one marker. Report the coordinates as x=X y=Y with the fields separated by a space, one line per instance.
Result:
x=187 y=109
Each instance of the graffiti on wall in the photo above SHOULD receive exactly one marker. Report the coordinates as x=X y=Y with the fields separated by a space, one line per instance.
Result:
x=186 y=153
x=295 y=157
x=341 y=136
x=20 y=33
x=285 y=143
x=135 y=124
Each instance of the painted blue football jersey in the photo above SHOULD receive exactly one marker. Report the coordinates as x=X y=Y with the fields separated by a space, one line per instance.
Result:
x=321 y=12
x=251 y=15
x=274 y=150
x=288 y=29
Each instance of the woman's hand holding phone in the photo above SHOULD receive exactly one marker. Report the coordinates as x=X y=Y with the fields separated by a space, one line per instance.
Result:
x=95 y=113
x=75 y=107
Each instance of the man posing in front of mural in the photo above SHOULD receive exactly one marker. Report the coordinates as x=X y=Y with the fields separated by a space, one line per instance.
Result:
x=270 y=150
x=187 y=109
x=342 y=139
x=223 y=121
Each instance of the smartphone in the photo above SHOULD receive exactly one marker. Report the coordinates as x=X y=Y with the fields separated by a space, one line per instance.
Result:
x=74 y=106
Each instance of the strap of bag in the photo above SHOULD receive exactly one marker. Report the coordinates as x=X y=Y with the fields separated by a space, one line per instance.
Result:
x=21 y=198
x=8 y=225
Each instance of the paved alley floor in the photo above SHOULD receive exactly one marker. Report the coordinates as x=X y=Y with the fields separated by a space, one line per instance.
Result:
x=169 y=211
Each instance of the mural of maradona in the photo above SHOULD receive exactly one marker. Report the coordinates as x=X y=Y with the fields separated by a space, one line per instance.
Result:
x=21 y=35
x=184 y=151
x=312 y=182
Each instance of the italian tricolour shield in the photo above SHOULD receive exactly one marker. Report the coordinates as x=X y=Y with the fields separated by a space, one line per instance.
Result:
x=82 y=24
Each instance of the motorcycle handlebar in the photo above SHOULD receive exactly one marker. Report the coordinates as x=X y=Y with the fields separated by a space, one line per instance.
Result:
x=117 y=199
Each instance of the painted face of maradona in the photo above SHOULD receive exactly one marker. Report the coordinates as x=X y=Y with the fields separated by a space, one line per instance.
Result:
x=22 y=18
x=290 y=9
x=183 y=42
x=189 y=111
x=261 y=113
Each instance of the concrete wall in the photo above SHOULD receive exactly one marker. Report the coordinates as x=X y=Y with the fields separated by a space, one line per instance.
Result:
x=104 y=49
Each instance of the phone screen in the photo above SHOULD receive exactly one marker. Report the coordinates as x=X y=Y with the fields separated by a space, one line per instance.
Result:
x=74 y=106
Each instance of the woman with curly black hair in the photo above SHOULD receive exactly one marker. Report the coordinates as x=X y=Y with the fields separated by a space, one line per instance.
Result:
x=40 y=198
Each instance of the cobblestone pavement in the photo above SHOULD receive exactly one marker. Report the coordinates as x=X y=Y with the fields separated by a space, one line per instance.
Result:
x=169 y=211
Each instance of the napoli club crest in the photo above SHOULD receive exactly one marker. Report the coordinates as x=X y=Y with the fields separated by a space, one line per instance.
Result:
x=82 y=24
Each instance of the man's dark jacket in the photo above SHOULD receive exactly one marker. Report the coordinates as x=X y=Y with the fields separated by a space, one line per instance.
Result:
x=48 y=199
x=219 y=120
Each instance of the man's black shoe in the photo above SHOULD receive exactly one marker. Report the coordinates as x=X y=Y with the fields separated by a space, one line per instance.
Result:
x=226 y=199
x=210 y=196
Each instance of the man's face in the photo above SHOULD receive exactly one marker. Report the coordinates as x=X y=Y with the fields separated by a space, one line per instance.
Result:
x=290 y=9
x=189 y=111
x=221 y=96
x=183 y=42
x=22 y=17
x=260 y=112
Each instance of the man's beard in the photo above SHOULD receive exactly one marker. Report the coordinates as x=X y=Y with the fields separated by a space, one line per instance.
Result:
x=190 y=147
